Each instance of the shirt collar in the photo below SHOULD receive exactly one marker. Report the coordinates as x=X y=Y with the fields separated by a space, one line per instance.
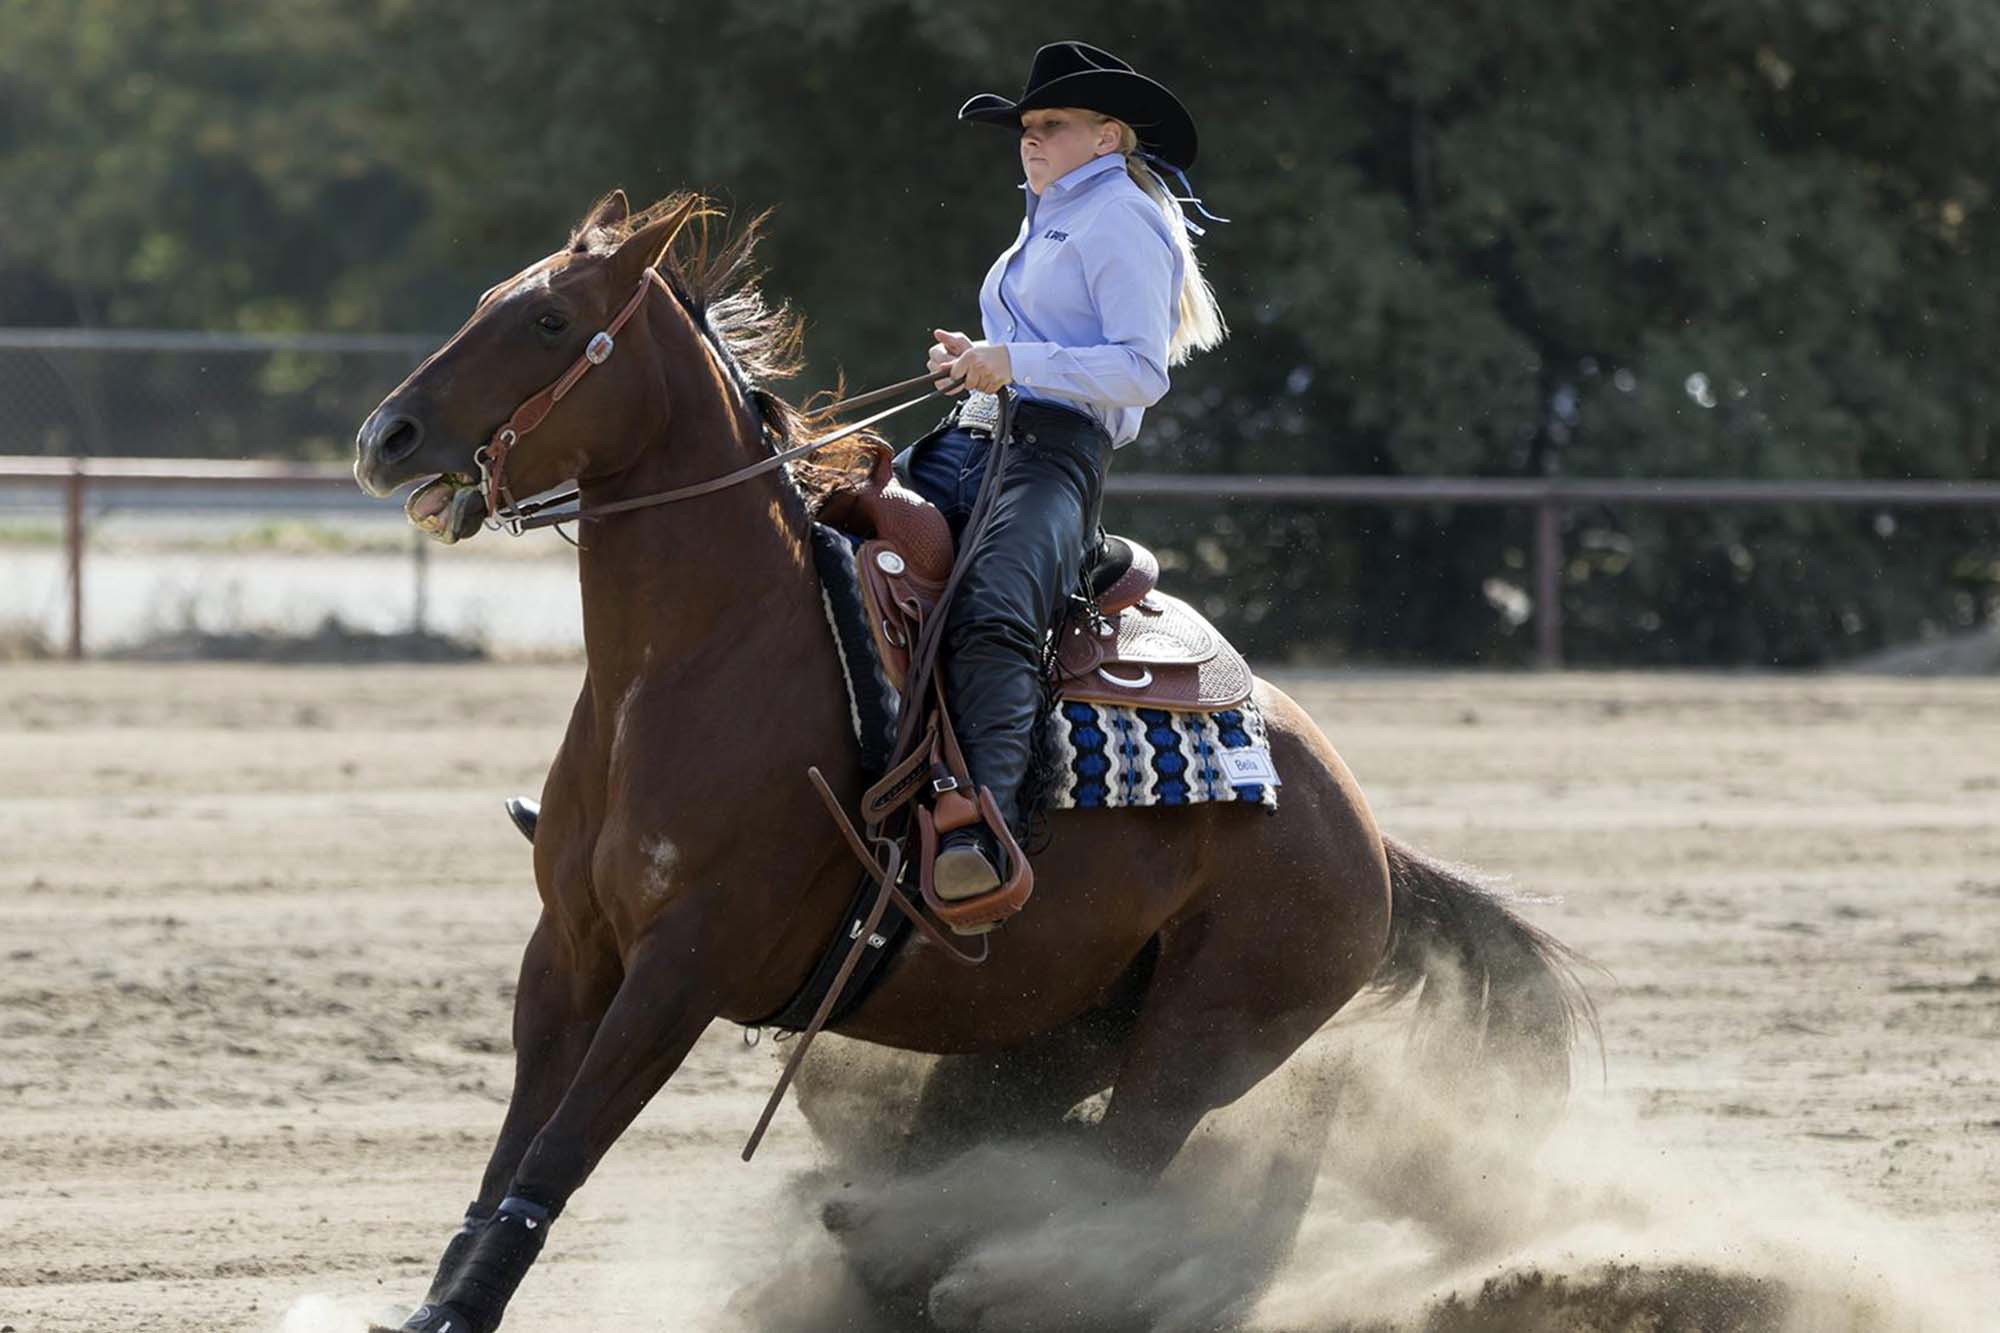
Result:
x=1076 y=176
x=1071 y=180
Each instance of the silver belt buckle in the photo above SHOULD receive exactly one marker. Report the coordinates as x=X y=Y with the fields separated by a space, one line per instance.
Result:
x=980 y=411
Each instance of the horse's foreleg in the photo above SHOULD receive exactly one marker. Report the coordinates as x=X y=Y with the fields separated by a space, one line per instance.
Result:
x=560 y=997
x=660 y=1008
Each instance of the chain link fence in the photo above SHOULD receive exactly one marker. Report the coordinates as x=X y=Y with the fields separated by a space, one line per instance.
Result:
x=125 y=394
x=131 y=558
x=101 y=393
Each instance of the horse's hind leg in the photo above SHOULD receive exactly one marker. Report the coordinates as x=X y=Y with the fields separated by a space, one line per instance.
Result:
x=1239 y=986
x=1017 y=1093
x=903 y=1233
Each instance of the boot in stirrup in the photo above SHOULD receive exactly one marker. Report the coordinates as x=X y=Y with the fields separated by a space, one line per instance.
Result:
x=968 y=864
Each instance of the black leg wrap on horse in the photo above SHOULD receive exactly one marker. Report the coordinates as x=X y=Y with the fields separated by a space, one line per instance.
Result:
x=1027 y=563
x=431 y=1318
x=500 y=1253
x=456 y=1249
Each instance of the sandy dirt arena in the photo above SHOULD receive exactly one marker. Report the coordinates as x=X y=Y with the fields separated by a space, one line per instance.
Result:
x=258 y=932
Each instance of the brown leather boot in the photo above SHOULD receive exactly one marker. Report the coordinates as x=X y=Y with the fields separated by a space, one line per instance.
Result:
x=968 y=864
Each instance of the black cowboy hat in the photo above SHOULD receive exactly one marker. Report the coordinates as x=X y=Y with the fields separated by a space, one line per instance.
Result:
x=1075 y=74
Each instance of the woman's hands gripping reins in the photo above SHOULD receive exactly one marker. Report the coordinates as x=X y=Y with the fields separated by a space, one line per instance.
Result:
x=984 y=366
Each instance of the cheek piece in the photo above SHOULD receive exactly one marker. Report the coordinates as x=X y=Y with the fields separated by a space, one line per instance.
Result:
x=501 y=510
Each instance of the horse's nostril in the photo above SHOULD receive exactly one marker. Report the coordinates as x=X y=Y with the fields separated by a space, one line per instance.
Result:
x=401 y=439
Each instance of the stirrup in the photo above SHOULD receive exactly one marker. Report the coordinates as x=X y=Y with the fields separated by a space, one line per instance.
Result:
x=984 y=910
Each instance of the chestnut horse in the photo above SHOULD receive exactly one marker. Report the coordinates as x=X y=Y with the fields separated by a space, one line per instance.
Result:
x=688 y=872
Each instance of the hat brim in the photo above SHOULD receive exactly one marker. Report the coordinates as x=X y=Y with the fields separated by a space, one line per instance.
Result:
x=1164 y=127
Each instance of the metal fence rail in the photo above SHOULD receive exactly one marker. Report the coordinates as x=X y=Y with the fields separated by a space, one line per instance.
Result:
x=1548 y=497
x=1551 y=497
x=184 y=393
x=77 y=477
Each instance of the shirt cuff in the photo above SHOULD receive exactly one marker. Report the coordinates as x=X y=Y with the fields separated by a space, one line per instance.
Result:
x=1029 y=363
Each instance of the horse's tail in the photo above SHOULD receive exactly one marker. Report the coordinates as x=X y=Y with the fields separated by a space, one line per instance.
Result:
x=1497 y=998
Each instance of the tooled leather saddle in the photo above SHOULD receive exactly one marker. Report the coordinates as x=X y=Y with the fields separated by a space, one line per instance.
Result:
x=1138 y=647
x=1142 y=648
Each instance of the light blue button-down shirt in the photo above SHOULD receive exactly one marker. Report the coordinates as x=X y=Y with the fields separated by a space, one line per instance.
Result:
x=1087 y=297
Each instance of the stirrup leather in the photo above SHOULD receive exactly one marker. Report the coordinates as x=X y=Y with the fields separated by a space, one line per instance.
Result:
x=937 y=756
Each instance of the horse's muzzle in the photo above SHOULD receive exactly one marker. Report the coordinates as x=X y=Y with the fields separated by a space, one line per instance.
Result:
x=386 y=442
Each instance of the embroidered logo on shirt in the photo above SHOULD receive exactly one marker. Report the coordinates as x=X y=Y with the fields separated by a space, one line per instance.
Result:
x=1053 y=235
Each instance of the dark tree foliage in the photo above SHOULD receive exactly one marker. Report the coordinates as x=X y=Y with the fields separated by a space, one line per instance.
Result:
x=1746 y=238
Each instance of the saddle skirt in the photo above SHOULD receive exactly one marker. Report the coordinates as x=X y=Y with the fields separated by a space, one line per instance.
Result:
x=1143 y=649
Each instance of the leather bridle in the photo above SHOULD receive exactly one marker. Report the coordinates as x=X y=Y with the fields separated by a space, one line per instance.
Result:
x=505 y=513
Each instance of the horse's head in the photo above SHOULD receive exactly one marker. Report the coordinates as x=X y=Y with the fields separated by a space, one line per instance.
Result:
x=523 y=335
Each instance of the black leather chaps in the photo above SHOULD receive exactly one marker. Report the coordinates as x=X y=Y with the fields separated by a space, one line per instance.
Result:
x=1029 y=559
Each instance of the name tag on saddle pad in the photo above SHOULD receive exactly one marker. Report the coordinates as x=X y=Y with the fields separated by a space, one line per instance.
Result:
x=1252 y=765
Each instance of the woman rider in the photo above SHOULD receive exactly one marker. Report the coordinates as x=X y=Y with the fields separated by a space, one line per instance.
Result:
x=1099 y=293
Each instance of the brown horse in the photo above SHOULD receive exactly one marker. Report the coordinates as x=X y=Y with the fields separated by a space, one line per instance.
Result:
x=687 y=871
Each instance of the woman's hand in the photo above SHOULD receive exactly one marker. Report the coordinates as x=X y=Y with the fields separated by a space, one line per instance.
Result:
x=943 y=353
x=984 y=366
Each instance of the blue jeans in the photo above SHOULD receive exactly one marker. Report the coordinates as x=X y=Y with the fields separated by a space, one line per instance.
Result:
x=946 y=467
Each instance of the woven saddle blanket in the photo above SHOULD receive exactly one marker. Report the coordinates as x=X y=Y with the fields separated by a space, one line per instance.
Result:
x=1106 y=754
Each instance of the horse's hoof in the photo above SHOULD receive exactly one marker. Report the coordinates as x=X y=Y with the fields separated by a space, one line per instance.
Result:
x=839 y=1215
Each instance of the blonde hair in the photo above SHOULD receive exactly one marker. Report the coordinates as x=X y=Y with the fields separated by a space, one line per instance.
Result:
x=1200 y=325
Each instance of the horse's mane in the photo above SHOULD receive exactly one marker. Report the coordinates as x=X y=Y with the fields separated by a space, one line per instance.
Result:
x=709 y=268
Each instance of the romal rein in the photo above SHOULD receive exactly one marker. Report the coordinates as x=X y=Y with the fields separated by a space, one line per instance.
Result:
x=504 y=512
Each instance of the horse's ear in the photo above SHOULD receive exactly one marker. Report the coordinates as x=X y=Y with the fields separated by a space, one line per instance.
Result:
x=609 y=211
x=646 y=246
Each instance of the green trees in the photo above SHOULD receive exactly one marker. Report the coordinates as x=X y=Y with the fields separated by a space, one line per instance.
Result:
x=1750 y=238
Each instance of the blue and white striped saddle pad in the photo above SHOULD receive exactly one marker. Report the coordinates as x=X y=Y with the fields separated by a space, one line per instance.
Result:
x=1111 y=756
x=1114 y=756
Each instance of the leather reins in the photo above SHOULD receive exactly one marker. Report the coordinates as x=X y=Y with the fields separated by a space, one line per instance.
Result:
x=505 y=513
x=920 y=678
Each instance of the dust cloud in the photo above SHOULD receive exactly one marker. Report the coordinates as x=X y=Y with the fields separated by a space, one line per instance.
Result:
x=1370 y=1186
x=1343 y=1195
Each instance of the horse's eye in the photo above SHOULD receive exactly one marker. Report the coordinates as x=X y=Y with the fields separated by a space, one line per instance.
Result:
x=551 y=322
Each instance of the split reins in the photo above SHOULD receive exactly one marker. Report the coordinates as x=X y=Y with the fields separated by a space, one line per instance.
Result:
x=897 y=787
x=506 y=514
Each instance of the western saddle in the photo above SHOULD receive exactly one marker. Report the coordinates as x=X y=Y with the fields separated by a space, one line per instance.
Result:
x=1139 y=648
x=1142 y=648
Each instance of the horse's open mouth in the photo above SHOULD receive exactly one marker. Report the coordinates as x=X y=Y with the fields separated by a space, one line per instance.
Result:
x=448 y=507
